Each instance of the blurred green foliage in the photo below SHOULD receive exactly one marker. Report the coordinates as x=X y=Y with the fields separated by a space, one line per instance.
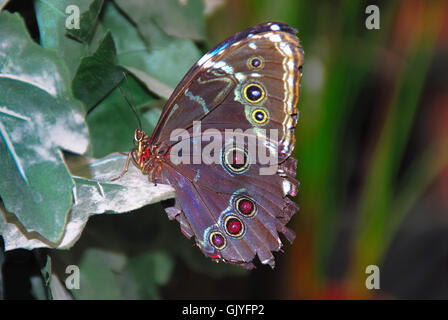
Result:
x=361 y=92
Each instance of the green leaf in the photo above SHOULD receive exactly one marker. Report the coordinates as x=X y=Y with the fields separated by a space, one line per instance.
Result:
x=87 y=22
x=52 y=17
x=98 y=74
x=149 y=271
x=45 y=271
x=153 y=113
x=167 y=61
x=38 y=118
x=94 y=194
x=111 y=275
x=112 y=123
x=126 y=36
x=151 y=83
x=176 y=18
x=38 y=290
x=100 y=278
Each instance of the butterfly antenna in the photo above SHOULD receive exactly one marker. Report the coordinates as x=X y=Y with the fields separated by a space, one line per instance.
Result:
x=130 y=103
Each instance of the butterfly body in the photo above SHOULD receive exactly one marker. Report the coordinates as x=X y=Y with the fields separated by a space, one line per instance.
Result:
x=248 y=84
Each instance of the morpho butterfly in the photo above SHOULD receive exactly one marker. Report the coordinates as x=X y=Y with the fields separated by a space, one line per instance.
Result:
x=248 y=85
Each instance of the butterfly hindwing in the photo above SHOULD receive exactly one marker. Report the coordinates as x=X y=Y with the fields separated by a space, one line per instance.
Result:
x=212 y=194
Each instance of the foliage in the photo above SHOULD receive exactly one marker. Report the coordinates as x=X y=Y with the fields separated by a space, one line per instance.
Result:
x=363 y=163
x=63 y=116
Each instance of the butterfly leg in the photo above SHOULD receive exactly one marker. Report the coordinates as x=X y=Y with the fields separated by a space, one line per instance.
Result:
x=158 y=170
x=149 y=170
x=155 y=173
x=152 y=178
x=125 y=168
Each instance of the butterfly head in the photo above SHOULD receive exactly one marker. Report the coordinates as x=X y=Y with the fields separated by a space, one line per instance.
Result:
x=141 y=155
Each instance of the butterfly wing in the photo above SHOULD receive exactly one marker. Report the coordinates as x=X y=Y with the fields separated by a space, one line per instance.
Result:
x=250 y=83
x=234 y=215
x=216 y=90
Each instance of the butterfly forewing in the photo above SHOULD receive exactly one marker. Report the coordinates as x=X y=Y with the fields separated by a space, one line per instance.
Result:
x=219 y=90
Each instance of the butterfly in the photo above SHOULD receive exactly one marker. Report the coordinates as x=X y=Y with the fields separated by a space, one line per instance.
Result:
x=249 y=86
